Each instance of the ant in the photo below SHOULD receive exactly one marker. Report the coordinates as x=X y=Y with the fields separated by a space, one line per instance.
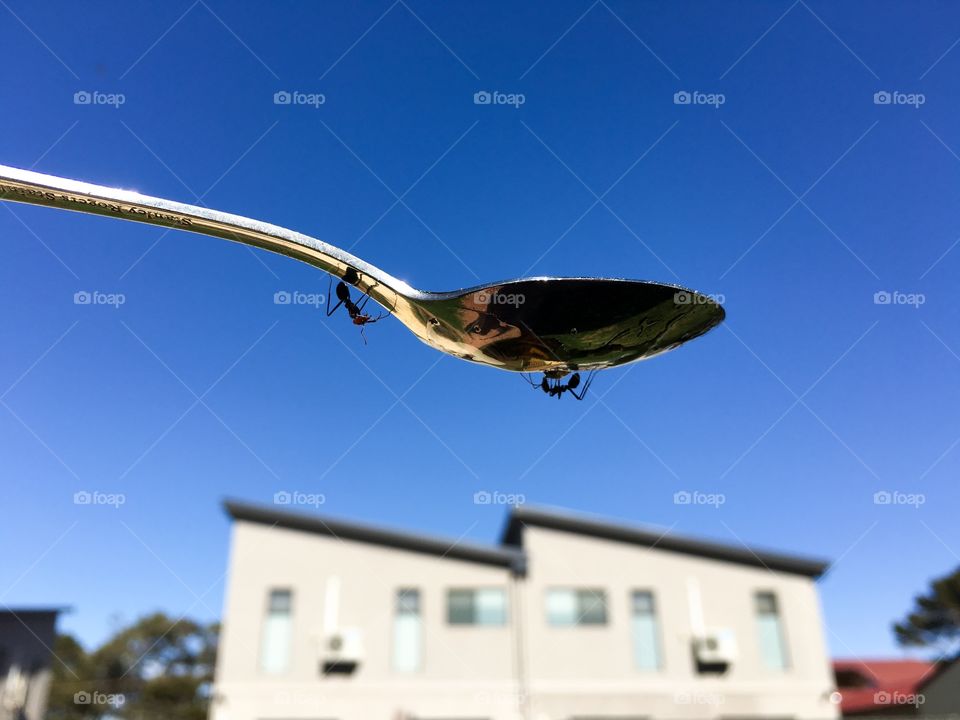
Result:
x=558 y=388
x=354 y=310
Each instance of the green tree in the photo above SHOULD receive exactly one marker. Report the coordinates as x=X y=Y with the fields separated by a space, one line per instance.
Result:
x=158 y=667
x=70 y=667
x=934 y=620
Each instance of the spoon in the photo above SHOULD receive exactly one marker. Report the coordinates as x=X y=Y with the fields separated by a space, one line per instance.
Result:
x=539 y=324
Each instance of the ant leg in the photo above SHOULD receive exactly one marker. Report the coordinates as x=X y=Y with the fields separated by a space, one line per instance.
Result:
x=362 y=335
x=532 y=383
x=366 y=296
x=329 y=285
x=586 y=386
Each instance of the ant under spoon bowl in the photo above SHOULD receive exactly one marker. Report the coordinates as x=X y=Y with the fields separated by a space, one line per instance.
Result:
x=541 y=324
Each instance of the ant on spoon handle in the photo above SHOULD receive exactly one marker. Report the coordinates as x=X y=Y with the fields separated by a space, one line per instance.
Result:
x=354 y=310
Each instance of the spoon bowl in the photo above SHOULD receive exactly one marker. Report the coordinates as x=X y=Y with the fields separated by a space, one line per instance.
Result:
x=546 y=324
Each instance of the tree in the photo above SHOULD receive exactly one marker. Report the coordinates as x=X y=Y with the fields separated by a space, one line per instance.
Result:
x=935 y=618
x=70 y=666
x=157 y=667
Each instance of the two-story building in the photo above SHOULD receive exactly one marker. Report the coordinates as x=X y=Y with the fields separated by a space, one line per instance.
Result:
x=567 y=617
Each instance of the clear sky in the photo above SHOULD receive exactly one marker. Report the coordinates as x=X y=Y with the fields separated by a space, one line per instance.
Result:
x=797 y=198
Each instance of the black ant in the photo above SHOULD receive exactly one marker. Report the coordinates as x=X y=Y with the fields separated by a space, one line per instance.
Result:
x=354 y=310
x=557 y=388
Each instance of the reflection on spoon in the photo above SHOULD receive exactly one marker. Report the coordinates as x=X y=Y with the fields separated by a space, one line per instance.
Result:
x=542 y=324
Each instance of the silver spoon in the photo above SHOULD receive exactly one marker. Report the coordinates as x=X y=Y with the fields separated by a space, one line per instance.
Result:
x=541 y=324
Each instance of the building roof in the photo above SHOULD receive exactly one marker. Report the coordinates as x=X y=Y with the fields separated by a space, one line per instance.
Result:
x=881 y=679
x=510 y=553
x=523 y=516
x=51 y=610
x=508 y=557
x=940 y=667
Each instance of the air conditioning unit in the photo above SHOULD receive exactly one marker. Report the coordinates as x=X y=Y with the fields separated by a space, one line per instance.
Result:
x=715 y=646
x=342 y=651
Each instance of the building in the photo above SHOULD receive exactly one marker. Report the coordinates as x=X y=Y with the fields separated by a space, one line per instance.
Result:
x=26 y=636
x=940 y=691
x=879 y=687
x=567 y=617
x=898 y=688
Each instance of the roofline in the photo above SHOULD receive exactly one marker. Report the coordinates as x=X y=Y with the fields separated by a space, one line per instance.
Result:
x=39 y=610
x=940 y=667
x=584 y=525
x=513 y=559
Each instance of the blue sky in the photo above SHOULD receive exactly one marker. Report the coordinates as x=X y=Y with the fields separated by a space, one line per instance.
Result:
x=797 y=199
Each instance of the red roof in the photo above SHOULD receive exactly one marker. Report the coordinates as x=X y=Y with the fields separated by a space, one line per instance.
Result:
x=880 y=683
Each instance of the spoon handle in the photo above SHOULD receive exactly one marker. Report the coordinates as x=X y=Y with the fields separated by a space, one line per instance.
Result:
x=25 y=186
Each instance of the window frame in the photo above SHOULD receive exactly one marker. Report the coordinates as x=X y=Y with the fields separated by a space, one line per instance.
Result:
x=474 y=589
x=786 y=663
x=395 y=614
x=657 y=629
x=266 y=614
x=578 y=592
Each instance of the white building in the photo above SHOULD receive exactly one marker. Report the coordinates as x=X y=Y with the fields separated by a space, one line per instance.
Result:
x=26 y=636
x=568 y=617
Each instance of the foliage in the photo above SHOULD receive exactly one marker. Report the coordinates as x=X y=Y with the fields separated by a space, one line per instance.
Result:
x=157 y=667
x=934 y=620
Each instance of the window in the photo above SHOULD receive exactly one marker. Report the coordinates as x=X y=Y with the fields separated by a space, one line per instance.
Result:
x=577 y=607
x=407 y=631
x=477 y=607
x=773 y=648
x=643 y=621
x=277 y=633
